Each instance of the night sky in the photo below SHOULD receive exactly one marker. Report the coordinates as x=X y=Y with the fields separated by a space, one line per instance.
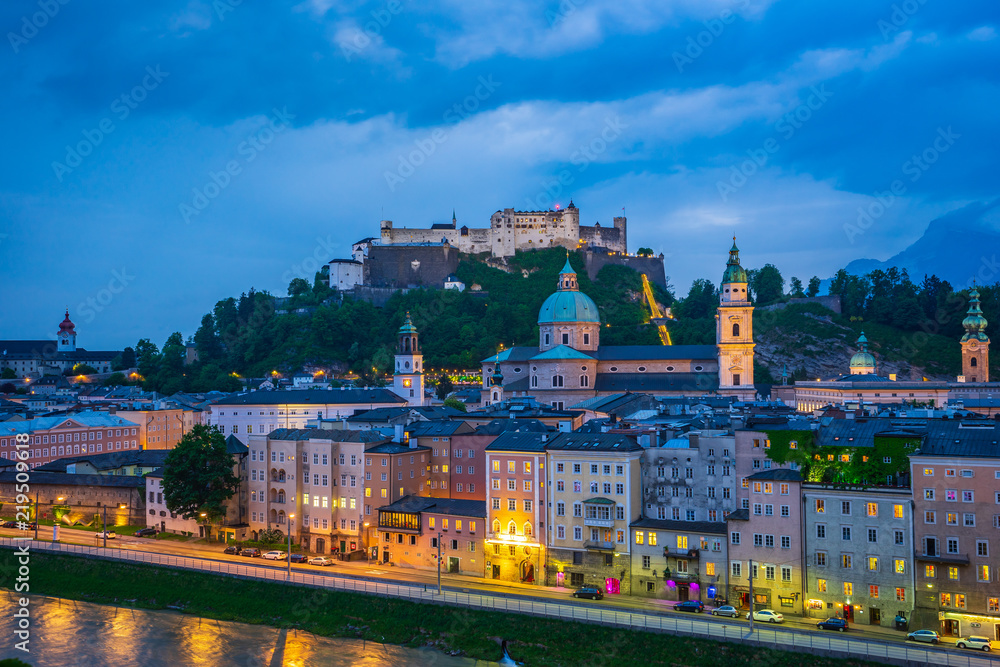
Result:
x=161 y=156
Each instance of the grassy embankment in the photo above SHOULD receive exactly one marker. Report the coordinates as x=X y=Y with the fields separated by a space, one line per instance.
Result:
x=535 y=641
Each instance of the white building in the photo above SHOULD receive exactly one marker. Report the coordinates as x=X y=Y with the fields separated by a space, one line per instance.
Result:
x=261 y=412
x=345 y=274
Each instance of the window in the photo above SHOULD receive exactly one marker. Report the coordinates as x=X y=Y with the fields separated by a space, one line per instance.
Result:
x=952 y=545
x=769 y=541
x=846 y=561
x=821 y=558
x=640 y=537
x=946 y=599
x=873 y=535
x=968 y=496
x=993 y=605
x=821 y=585
x=953 y=573
x=845 y=533
x=873 y=563
x=786 y=542
x=682 y=542
x=845 y=507
x=871 y=509
x=758 y=539
x=734 y=538
x=784 y=510
x=820 y=531
x=897 y=537
x=769 y=572
x=930 y=516
x=736 y=570
x=982 y=548
x=930 y=571
x=848 y=588
x=786 y=573
x=873 y=591
x=560 y=508
x=928 y=494
x=982 y=572
x=900 y=595
x=969 y=520
x=652 y=539
x=820 y=506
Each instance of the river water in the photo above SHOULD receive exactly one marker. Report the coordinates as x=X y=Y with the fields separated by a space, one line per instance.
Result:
x=65 y=633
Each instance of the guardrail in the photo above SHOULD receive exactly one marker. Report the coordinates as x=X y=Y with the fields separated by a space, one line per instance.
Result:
x=778 y=638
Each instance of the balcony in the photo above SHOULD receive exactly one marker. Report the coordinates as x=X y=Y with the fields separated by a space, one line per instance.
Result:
x=599 y=546
x=952 y=559
x=599 y=523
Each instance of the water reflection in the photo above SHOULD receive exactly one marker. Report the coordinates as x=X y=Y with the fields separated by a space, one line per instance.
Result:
x=65 y=633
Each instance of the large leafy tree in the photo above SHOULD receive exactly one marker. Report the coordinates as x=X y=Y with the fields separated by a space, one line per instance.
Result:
x=198 y=474
x=766 y=284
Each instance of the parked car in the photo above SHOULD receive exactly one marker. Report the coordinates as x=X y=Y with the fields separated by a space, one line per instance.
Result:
x=232 y=550
x=145 y=532
x=297 y=558
x=110 y=534
x=697 y=606
x=588 y=592
x=9 y=524
x=726 y=610
x=767 y=615
x=975 y=641
x=275 y=555
x=929 y=636
x=833 y=623
x=321 y=560
x=250 y=552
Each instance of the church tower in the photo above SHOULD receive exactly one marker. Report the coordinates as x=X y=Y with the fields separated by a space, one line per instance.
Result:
x=734 y=331
x=496 y=384
x=67 y=335
x=569 y=317
x=863 y=362
x=975 y=343
x=408 y=378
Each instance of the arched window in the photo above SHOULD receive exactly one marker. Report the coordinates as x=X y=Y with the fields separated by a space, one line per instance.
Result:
x=281 y=496
x=281 y=518
x=527 y=528
x=512 y=528
x=973 y=362
x=496 y=525
x=584 y=381
x=534 y=380
x=736 y=329
x=496 y=396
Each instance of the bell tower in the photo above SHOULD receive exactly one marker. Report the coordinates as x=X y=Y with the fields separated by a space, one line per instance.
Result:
x=67 y=335
x=975 y=342
x=496 y=384
x=408 y=377
x=734 y=331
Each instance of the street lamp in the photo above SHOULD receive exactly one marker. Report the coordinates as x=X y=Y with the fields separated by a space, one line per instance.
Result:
x=288 y=554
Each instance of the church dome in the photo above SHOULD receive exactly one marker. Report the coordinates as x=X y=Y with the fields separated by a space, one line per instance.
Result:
x=734 y=272
x=862 y=359
x=568 y=307
x=67 y=325
x=568 y=303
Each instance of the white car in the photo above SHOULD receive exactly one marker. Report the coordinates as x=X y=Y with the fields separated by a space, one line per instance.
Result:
x=275 y=555
x=767 y=616
x=974 y=641
x=320 y=560
x=110 y=534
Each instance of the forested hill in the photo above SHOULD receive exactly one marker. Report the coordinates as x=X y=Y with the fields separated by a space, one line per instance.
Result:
x=914 y=328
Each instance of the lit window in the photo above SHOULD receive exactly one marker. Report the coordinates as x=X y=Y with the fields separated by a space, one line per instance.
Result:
x=639 y=537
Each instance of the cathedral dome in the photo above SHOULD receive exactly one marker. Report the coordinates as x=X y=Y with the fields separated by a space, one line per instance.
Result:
x=568 y=303
x=568 y=307
x=862 y=361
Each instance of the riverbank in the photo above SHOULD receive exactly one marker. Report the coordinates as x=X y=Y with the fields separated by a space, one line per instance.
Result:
x=534 y=641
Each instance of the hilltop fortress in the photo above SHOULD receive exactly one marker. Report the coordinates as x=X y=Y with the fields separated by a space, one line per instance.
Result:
x=512 y=230
x=405 y=257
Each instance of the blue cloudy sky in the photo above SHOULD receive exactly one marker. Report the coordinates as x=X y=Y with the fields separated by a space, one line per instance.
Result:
x=161 y=156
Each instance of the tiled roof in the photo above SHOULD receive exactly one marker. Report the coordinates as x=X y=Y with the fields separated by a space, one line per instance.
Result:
x=498 y=426
x=394 y=448
x=90 y=419
x=592 y=442
x=144 y=458
x=513 y=441
x=777 y=475
x=707 y=353
x=333 y=435
x=437 y=428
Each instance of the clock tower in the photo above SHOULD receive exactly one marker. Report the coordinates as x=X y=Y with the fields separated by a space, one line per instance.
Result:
x=734 y=331
x=975 y=343
x=408 y=377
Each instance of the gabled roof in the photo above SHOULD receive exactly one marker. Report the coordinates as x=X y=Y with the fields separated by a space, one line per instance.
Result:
x=143 y=458
x=500 y=426
x=333 y=435
x=512 y=354
x=234 y=446
x=562 y=352
x=962 y=437
x=395 y=448
x=437 y=428
x=342 y=396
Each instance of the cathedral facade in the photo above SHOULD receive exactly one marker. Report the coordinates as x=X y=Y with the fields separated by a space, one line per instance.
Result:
x=570 y=365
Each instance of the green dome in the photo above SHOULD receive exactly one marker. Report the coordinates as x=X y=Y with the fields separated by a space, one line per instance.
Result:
x=734 y=272
x=407 y=327
x=974 y=323
x=862 y=358
x=568 y=306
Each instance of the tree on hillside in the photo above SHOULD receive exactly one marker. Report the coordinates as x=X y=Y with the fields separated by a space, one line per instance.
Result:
x=444 y=386
x=456 y=404
x=766 y=284
x=198 y=475
x=795 y=287
x=147 y=357
x=813 y=289
x=83 y=369
x=701 y=301
x=645 y=252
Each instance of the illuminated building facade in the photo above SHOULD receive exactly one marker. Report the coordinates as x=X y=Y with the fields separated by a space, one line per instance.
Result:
x=411 y=529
